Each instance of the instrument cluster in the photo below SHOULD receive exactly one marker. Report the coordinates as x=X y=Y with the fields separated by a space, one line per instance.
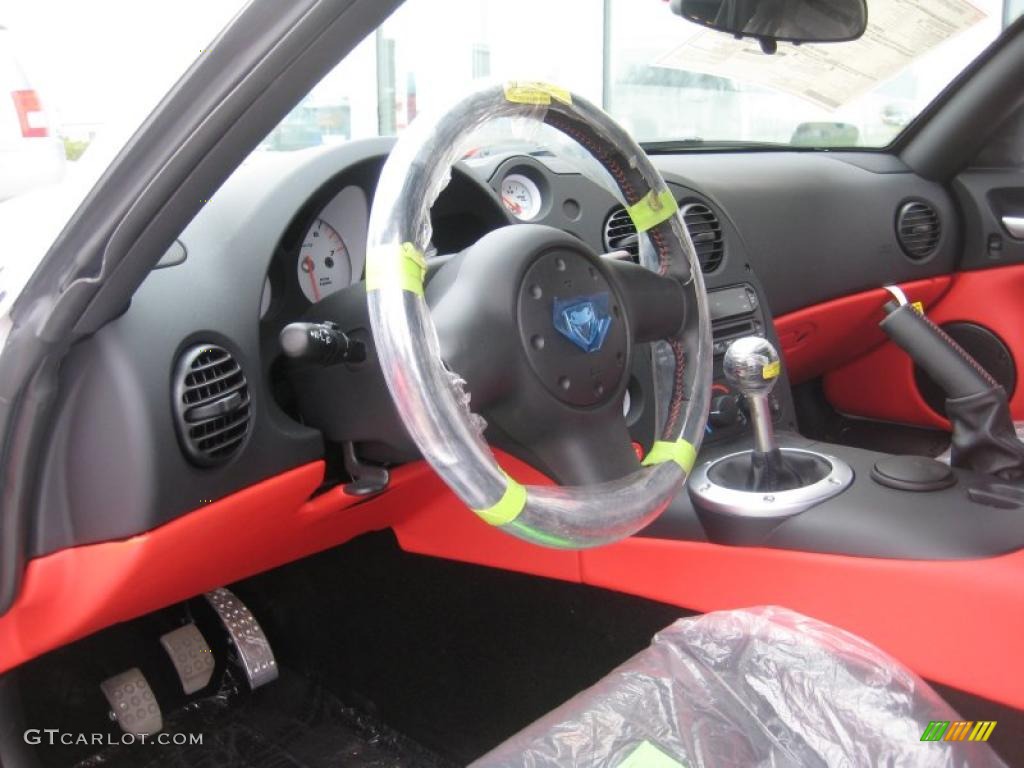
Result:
x=331 y=253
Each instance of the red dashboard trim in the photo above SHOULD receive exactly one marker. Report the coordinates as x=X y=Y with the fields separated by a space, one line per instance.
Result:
x=825 y=336
x=957 y=622
x=72 y=593
x=449 y=530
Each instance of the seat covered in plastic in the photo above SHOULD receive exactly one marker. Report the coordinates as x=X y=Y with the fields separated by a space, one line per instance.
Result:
x=758 y=687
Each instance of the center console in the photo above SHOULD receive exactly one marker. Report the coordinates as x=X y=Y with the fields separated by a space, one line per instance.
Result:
x=737 y=312
x=766 y=482
x=840 y=504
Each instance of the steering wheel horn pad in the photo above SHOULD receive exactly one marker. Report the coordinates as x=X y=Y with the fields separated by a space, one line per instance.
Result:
x=573 y=328
x=496 y=308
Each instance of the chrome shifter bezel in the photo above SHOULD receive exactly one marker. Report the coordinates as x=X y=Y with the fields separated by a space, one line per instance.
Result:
x=757 y=504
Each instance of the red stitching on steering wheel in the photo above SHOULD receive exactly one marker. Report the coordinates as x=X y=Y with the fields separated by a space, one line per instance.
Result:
x=562 y=124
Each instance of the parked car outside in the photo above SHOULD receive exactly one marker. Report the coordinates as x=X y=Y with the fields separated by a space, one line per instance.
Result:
x=31 y=154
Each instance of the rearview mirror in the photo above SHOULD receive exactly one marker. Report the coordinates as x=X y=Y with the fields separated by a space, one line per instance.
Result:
x=773 y=21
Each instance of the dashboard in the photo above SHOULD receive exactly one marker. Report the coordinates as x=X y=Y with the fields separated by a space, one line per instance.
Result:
x=285 y=239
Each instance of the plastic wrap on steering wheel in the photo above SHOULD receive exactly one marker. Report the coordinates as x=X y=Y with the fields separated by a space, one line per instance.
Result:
x=406 y=339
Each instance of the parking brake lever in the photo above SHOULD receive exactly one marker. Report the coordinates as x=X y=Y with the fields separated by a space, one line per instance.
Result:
x=983 y=436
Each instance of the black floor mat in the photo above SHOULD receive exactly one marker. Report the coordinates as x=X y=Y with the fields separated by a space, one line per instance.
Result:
x=454 y=657
x=458 y=657
x=291 y=723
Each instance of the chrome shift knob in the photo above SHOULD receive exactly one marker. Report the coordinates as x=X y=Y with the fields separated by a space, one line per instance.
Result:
x=752 y=367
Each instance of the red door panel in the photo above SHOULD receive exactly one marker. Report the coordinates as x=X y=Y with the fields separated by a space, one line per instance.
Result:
x=880 y=384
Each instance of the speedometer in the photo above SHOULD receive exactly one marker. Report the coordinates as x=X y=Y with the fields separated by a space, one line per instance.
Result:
x=521 y=196
x=324 y=265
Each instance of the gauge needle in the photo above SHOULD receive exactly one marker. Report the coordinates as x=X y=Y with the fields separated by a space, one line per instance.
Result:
x=512 y=205
x=311 y=271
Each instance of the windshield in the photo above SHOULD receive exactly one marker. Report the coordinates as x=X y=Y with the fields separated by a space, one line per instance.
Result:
x=74 y=85
x=76 y=80
x=662 y=77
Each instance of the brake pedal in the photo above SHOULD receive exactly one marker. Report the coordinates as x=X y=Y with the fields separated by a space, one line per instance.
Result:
x=132 y=703
x=191 y=656
x=254 y=652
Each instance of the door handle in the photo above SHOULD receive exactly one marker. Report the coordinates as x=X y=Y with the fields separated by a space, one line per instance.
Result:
x=1015 y=226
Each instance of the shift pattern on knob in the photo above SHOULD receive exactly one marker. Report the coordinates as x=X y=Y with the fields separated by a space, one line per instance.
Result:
x=751 y=365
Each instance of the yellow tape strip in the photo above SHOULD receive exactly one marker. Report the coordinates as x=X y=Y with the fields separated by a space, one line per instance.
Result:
x=508 y=507
x=523 y=92
x=771 y=371
x=411 y=268
x=649 y=756
x=681 y=452
x=652 y=210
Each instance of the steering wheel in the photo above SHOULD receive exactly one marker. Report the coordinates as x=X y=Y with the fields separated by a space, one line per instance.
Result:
x=542 y=330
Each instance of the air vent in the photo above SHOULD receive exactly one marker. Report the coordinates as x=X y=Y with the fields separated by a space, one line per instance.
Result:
x=620 y=233
x=211 y=404
x=705 y=231
x=918 y=229
x=706 y=234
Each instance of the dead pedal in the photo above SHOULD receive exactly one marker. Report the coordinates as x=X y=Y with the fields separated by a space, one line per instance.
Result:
x=253 y=648
x=132 y=703
x=191 y=656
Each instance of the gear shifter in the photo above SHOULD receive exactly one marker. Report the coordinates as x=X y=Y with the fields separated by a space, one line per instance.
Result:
x=766 y=481
x=752 y=366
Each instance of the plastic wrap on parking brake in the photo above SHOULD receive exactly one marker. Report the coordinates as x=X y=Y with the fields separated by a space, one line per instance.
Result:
x=758 y=687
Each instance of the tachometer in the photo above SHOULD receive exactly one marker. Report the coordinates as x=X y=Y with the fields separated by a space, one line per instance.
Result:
x=521 y=196
x=324 y=265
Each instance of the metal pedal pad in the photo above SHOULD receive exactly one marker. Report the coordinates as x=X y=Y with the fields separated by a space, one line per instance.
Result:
x=253 y=648
x=191 y=656
x=132 y=703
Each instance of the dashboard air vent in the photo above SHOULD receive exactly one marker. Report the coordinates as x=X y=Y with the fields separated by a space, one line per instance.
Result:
x=211 y=404
x=620 y=233
x=706 y=233
x=918 y=229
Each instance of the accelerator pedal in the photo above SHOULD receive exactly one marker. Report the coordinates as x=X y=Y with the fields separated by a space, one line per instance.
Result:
x=252 y=646
x=132 y=703
x=191 y=655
